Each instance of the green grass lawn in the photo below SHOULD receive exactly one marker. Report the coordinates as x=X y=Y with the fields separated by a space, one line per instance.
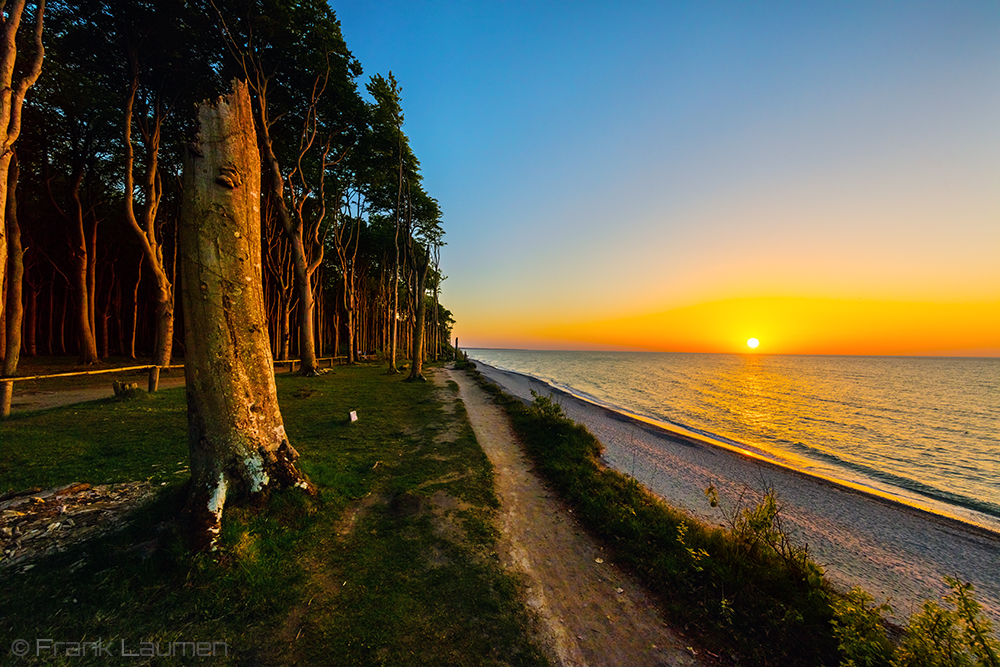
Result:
x=393 y=564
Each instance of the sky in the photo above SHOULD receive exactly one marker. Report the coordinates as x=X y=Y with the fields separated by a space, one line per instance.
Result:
x=823 y=176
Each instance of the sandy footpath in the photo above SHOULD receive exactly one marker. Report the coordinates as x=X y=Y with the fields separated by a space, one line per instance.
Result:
x=892 y=551
x=591 y=613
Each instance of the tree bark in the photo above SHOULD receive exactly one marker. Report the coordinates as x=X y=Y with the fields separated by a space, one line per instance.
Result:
x=421 y=264
x=236 y=437
x=15 y=281
x=80 y=262
x=31 y=321
x=134 y=324
x=11 y=101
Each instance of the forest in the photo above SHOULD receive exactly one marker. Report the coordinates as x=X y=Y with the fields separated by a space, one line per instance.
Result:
x=351 y=241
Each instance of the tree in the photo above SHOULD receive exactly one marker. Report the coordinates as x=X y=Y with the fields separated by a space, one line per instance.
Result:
x=152 y=48
x=15 y=311
x=394 y=169
x=238 y=446
x=13 y=88
x=287 y=52
x=423 y=233
x=100 y=191
x=74 y=154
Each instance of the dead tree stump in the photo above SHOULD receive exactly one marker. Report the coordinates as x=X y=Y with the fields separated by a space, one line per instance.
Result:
x=236 y=437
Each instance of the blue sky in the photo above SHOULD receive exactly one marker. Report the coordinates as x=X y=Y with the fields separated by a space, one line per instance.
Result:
x=596 y=160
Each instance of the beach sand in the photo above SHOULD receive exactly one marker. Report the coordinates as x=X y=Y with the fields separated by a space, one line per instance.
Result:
x=893 y=551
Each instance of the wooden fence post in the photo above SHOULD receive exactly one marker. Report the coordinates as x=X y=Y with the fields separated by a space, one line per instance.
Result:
x=154 y=378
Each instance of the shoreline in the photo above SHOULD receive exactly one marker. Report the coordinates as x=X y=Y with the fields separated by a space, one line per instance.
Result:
x=695 y=439
x=891 y=549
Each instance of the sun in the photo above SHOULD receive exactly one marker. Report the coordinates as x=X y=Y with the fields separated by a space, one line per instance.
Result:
x=752 y=343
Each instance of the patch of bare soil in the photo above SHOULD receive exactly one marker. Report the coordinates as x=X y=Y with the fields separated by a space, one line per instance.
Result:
x=591 y=612
x=36 y=523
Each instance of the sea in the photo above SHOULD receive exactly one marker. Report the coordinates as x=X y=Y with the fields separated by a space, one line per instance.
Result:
x=924 y=431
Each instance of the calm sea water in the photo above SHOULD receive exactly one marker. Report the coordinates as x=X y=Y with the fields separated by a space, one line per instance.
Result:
x=922 y=430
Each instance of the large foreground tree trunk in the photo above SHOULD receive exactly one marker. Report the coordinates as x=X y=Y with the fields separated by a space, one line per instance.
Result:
x=238 y=447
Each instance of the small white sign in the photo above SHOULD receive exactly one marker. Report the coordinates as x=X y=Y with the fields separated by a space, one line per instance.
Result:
x=354 y=416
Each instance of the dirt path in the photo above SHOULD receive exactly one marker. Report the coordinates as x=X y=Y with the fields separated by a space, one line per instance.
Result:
x=592 y=613
x=43 y=400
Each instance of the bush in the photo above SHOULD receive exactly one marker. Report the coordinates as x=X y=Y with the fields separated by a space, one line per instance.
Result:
x=545 y=409
x=858 y=626
x=958 y=637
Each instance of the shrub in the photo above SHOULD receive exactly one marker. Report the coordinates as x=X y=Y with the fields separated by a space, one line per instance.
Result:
x=857 y=624
x=958 y=637
x=544 y=408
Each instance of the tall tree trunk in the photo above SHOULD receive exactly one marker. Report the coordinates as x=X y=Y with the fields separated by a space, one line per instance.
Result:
x=3 y=328
x=302 y=267
x=336 y=332
x=144 y=226
x=30 y=321
x=320 y=311
x=92 y=276
x=116 y=307
x=307 y=302
x=49 y=323
x=421 y=264
x=238 y=447
x=11 y=101
x=394 y=318
x=285 y=328
x=80 y=264
x=104 y=317
x=135 y=312
x=15 y=280
x=81 y=290
x=63 y=315
x=349 y=321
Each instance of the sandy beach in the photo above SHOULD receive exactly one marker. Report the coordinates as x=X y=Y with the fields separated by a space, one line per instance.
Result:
x=895 y=552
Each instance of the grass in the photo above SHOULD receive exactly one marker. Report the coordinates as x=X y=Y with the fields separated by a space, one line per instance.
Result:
x=97 y=442
x=393 y=564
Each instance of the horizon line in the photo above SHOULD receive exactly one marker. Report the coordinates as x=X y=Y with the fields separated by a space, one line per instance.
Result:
x=742 y=354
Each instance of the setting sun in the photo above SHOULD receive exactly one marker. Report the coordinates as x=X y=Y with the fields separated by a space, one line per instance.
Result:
x=752 y=343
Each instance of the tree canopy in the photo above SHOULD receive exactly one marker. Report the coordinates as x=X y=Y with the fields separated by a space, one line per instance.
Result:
x=345 y=219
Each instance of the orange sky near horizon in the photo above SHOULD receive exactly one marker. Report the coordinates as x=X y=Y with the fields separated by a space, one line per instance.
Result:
x=786 y=325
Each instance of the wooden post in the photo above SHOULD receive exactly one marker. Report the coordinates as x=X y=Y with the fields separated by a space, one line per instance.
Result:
x=154 y=378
